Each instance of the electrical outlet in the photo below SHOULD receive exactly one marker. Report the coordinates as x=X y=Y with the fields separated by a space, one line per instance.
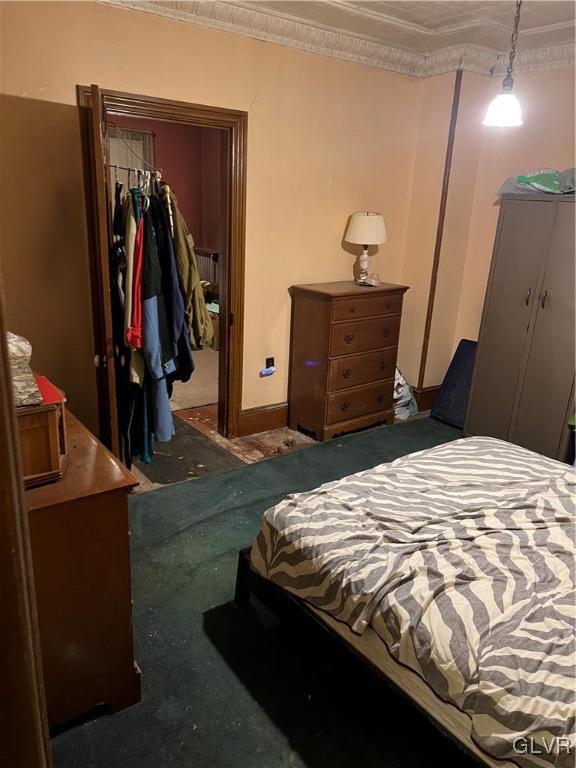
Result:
x=269 y=362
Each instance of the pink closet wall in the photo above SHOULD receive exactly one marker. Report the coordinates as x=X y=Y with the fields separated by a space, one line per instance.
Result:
x=192 y=160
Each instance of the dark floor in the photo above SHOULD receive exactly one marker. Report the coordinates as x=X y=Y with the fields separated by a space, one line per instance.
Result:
x=198 y=449
x=225 y=687
x=190 y=454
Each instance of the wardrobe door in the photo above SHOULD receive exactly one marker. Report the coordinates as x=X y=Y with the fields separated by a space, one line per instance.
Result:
x=521 y=242
x=546 y=391
x=92 y=114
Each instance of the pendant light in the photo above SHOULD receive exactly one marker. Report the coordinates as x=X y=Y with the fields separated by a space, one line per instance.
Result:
x=504 y=111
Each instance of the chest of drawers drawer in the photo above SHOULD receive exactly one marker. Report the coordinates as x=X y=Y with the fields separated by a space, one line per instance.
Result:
x=364 y=335
x=351 y=403
x=366 y=306
x=354 y=370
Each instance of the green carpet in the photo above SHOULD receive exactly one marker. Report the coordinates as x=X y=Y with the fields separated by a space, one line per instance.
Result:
x=225 y=687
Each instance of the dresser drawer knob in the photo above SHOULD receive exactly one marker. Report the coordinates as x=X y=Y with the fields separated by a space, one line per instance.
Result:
x=349 y=338
x=383 y=365
x=352 y=310
x=380 y=397
x=346 y=373
x=345 y=406
x=387 y=331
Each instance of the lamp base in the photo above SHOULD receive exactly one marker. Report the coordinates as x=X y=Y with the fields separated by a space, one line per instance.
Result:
x=370 y=281
x=364 y=278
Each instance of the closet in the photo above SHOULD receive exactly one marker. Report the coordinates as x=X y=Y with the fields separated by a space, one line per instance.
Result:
x=523 y=384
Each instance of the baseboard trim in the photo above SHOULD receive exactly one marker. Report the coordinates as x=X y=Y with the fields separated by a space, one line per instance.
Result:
x=262 y=418
x=426 y=396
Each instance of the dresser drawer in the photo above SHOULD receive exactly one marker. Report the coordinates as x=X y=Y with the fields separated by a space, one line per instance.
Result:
x=364 y=335
x=366 y=306
x=351 y=371
x=351 y=403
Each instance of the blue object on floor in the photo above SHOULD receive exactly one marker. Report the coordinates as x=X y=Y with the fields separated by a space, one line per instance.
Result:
x=452 y=401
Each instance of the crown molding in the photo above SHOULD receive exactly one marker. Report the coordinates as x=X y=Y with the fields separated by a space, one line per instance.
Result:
x=238 y=19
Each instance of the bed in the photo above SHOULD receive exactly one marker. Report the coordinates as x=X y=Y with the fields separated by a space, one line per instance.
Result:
x=451 y=571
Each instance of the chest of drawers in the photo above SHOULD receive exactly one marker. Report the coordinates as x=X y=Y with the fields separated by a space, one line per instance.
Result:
x=344 y=341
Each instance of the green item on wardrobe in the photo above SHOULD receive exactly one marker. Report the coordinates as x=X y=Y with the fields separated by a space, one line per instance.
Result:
x=572 y=421
x=547 y=181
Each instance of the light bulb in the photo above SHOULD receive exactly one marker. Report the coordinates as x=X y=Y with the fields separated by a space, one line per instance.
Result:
x=504 y=111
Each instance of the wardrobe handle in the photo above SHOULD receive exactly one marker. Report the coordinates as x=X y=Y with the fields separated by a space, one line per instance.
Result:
x=543 y=298
x=528 y=294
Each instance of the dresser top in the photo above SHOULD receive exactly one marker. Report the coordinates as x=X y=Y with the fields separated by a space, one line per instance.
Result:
x=90 y=470
x=348 y=288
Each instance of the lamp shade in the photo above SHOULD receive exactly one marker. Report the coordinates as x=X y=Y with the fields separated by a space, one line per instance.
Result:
x=504 y=111
x=366 y=228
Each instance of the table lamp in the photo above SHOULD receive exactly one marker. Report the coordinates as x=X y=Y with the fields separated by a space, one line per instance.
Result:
x=366 y=228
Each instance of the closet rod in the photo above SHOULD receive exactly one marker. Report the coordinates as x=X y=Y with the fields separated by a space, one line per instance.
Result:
x=158 y=171
x=132 y=150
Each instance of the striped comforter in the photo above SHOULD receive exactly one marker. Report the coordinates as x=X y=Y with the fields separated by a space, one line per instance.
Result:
x=461 y=558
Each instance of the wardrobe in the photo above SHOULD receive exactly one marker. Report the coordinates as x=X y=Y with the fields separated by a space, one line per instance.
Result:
x=523 y=383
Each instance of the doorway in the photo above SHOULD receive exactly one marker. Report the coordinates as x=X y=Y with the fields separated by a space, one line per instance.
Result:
x=194 y=161
x=202 y=153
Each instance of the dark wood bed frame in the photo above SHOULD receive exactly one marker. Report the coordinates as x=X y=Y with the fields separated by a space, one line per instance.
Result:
x=286 y=606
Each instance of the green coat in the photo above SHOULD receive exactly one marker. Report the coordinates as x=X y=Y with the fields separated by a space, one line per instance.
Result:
x=198 y=320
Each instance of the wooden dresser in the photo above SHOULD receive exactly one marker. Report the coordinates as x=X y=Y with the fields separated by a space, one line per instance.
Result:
x=344 y=343
x=81 y=559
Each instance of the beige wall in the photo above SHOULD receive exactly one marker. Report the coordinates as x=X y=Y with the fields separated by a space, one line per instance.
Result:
x=325 y=138
x=422 y=221
x=545 y=139
x=474 y=96
x=482 y=159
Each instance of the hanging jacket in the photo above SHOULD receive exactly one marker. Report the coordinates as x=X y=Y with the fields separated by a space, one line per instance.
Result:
x=121 y=351
x=154 y=325
x=171 y=295
x=130 y=227
x=198 y=320
x=173 y=301
x=130 y=211
x=134 y=330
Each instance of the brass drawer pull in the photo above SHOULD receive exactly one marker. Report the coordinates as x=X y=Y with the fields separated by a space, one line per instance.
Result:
x=345 y=406
x=349 y=338
x=346 y=373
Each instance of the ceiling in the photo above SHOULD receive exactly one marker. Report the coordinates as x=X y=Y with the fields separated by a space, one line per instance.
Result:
x=429 y=25
x=418 y=37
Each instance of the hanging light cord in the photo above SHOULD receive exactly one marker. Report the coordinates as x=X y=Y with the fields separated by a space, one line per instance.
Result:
x=508 y=81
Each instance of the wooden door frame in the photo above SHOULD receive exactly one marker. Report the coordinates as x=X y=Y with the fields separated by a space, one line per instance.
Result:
x=232 y=309
x=22 y=705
